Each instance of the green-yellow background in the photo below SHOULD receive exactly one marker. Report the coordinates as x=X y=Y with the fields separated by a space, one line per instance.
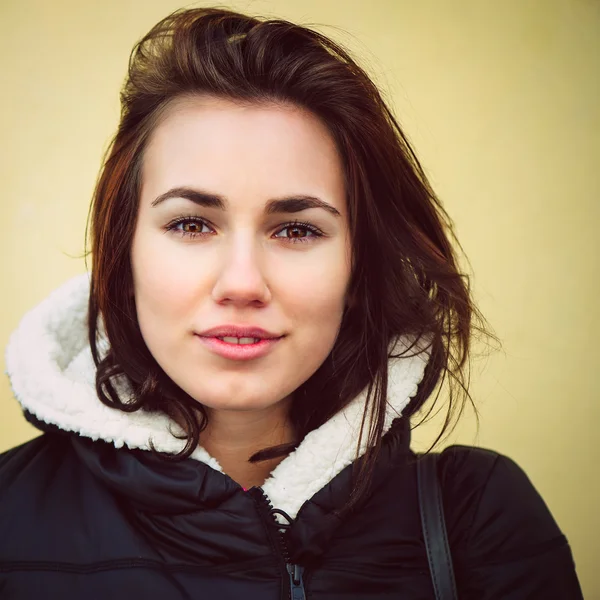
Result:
x=501 y=100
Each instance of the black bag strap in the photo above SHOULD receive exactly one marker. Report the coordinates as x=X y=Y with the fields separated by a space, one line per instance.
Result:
x=434 y=528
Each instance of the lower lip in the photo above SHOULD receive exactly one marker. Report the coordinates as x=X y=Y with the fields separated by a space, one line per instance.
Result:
x=238 y=351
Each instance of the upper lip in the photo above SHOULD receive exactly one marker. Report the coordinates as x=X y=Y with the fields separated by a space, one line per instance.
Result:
x=239 y=331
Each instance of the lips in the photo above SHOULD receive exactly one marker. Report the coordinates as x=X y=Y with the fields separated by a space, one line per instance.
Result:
x=236 y=351
x=239 y=332
x=239 y=342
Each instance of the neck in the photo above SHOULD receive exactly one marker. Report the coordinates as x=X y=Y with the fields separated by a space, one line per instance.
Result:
x=232 y=437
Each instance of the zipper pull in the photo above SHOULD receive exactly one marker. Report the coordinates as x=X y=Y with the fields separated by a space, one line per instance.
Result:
x=296 y=583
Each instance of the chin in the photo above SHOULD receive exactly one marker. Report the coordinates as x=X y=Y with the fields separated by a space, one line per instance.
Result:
x=239 y=405
x=235 y=402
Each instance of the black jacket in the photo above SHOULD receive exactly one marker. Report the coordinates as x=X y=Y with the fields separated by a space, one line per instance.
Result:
x=87 y=513
x=82 y=519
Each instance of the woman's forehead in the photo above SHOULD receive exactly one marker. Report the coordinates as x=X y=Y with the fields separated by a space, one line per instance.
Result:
x=236 y=150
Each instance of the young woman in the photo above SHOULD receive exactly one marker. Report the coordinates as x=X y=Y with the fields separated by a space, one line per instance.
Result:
x=226 y=398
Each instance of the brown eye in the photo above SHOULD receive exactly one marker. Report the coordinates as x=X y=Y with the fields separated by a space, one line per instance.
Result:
x=189 y=227
x=299 y=232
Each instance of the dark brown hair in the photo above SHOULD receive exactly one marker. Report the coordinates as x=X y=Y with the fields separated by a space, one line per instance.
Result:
x=405 y=277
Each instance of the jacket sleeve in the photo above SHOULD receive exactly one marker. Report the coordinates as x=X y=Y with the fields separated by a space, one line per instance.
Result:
x=512 y=547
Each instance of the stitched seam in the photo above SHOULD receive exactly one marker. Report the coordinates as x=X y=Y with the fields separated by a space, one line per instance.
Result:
x=351 y=568
x=121 y=564
x=532 y=552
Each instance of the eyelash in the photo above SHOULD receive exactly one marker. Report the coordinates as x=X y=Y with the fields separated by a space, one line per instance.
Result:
x=316 y=232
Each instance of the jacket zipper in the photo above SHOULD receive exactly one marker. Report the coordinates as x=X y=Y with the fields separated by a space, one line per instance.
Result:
x=295 y=572
x=296 y=582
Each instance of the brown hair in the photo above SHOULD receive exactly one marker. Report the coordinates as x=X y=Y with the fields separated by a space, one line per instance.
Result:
x=405 y=278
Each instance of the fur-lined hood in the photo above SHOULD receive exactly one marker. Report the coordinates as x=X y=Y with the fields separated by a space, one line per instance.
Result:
x=52 y=374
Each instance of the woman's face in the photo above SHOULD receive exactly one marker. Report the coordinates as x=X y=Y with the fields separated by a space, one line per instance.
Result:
x=215 y=245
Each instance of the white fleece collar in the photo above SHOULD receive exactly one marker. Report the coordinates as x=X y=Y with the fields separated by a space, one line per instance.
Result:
x=52 y=374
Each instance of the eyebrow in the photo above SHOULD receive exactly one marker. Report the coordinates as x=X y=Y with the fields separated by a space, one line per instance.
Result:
x=289 y=204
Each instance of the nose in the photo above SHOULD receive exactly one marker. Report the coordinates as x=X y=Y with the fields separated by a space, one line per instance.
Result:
x=240 y=279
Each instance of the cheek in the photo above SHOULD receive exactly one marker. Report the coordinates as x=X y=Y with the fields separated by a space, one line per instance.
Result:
x=163 y=287
x=315 y=293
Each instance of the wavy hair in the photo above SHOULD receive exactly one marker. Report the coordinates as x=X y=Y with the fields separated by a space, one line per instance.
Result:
x=405 y=277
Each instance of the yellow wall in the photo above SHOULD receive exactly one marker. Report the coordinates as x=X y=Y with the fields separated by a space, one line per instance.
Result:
x=501 y=101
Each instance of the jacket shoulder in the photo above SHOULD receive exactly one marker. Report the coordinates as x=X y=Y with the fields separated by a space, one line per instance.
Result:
x=26 y=461
x=497 y=491
x=502 y=529
x=9 y=457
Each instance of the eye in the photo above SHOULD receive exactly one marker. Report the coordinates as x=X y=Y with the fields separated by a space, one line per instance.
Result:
x=189 y=226
x=299 y=232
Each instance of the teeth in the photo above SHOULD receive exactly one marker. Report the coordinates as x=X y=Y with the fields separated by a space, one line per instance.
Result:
x=244 y=340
